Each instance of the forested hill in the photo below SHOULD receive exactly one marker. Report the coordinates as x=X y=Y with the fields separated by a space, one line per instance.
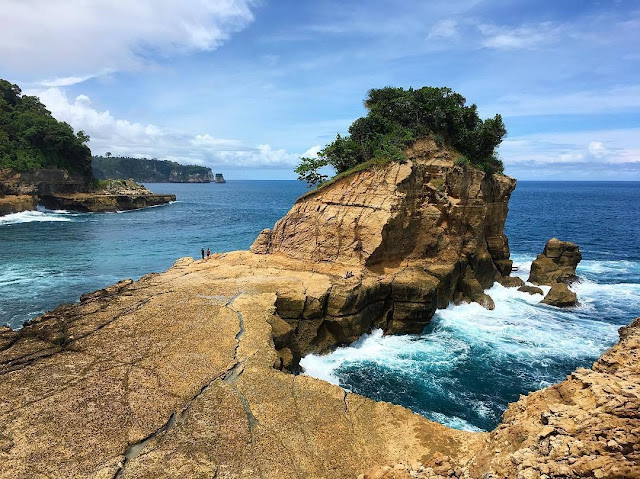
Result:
x=31 y=139
x=149 y=171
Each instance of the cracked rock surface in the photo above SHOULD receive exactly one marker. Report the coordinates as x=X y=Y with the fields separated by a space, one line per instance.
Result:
x=172 y=376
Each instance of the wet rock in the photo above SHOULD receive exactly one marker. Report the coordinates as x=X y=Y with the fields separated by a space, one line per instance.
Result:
x=557 y=263
x=561 y=296
x=511 y=282
x=530 y=289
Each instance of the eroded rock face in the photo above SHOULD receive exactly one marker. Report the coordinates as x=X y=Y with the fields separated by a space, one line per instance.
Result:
x=17 y=203
x=586 y=426
x=418 y=235
x=557 y=263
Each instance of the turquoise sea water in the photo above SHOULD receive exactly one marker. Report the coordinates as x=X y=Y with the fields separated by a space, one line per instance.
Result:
x=462 y=371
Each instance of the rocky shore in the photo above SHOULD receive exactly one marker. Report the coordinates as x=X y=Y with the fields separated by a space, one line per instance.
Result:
x=187 y=373
x=111 y=195
x=58 y=189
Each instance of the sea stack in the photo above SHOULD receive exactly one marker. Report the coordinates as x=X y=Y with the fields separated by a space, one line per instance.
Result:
x=219 y=178
x=556 y=267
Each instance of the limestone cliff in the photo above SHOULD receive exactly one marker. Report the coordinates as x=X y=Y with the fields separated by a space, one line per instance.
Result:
x=418 y=234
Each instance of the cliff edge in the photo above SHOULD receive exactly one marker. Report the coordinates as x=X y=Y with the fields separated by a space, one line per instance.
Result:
x=184 y=373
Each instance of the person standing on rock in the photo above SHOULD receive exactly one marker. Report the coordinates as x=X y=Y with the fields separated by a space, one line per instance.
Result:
x=202 y=251
x=208 y=253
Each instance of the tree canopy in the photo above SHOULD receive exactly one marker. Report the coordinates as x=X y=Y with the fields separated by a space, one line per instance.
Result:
x=397 y=117
x=31 y=138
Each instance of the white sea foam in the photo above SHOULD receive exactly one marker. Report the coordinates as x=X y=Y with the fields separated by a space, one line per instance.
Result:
x=31 y=216
x=519 y=329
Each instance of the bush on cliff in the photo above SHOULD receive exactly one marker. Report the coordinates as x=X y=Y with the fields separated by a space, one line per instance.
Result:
x=396 y=117
x=31 y=138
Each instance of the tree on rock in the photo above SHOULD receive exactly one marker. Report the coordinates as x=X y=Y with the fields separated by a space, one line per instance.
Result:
x=397 y=117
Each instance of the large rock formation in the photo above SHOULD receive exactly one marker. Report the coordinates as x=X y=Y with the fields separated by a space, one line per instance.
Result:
x=181 y=374
x=419 y=234
x=556 y=264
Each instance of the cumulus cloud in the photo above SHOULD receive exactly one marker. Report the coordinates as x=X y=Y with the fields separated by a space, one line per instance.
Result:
x=123 y=137
x=70 y=36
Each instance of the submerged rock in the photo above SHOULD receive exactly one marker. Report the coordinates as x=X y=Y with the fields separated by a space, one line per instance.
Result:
x=557 y=263
x=511 y=282
x=530 y=289
x=561 y=296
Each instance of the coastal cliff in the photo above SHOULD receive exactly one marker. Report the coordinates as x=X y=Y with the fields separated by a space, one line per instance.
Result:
x=184 y=373
x=417 y=235
x=149 y=171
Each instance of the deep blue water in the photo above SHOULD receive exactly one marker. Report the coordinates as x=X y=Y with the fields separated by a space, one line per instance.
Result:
x=462 y=371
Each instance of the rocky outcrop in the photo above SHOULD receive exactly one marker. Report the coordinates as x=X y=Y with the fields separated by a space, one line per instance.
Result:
x=561 y=296
x=17 y=203
x=530 y=289
x=219 y=178
x=111 y=195
x=59 y=189
x=586 y=426
x=556 y=267
x=557 y=263
x=41 y=181
x=102 y=203
x=418 y=234
x=173 y=375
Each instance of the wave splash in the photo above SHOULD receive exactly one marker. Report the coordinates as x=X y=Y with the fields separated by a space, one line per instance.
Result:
x=470 y=362
x=41 y=215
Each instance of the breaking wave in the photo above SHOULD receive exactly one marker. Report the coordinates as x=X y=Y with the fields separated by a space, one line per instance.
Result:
x=470 y=362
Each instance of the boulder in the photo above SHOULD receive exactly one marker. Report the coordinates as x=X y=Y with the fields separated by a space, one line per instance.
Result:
x=511 y=282
x=530 y=289
x=561 y=296
x=557 y=263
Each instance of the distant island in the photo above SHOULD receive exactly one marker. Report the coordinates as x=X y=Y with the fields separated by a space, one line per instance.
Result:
x=150 y=170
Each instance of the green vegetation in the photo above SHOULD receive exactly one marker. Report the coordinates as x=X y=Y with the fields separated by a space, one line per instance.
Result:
x=147 y=171
x=31 y=138
x=396 y=118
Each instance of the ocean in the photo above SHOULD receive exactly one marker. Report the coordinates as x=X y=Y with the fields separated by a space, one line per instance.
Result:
x=466 y=366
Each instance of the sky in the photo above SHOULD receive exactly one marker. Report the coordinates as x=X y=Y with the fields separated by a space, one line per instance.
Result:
x=248 y=86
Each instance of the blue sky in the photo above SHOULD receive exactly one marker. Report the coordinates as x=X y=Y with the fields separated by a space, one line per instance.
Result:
x=247 y=86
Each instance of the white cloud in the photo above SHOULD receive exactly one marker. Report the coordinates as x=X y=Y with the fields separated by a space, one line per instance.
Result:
x=597 y=149
x=70 y=80
x=122 y=137
x=526 y=36
x=71 y=36
x=447 y=28
x=593 y=149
